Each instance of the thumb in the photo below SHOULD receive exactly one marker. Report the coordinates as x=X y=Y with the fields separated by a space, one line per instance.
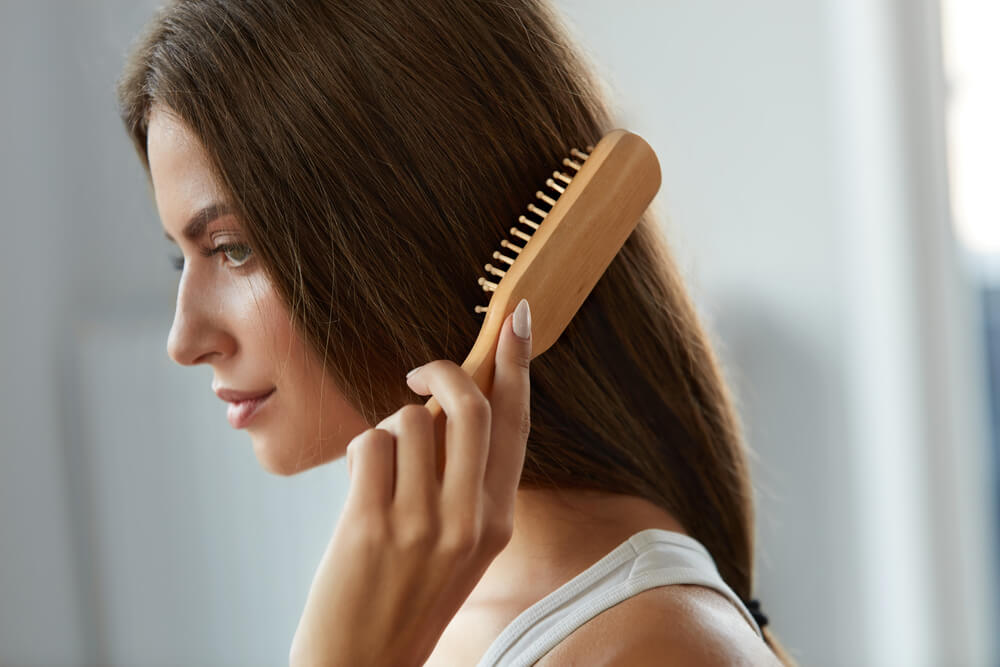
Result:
x=510 y=401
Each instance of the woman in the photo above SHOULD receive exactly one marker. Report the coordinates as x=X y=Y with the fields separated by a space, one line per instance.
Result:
x=335 y=175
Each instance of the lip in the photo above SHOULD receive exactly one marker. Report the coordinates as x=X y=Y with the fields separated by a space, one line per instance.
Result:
x=242 y=412
x=233 y=396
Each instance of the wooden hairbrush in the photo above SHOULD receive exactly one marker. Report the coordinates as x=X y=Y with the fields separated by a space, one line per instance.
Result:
x=583 y=218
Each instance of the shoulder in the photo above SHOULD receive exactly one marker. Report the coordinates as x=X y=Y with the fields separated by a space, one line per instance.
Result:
x=677 y=624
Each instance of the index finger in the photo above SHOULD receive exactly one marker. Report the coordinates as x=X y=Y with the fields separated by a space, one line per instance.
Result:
x=466 y=412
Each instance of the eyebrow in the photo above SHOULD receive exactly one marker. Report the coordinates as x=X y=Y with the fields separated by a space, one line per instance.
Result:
x=195 y=227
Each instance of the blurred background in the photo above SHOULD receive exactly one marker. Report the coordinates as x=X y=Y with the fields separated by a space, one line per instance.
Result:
x=829 y=189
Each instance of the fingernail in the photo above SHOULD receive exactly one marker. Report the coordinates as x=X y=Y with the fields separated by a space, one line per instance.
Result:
x=522 y=320
x=415 y=370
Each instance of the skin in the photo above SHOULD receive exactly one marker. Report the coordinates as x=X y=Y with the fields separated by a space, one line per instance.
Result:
x=232 y=319
x=446 y=588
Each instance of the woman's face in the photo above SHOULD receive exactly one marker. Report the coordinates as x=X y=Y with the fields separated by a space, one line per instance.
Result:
x=230 y=317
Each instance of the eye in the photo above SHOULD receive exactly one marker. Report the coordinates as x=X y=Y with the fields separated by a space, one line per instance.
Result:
x=238 y=253
x=237 y=249
x=230 y=249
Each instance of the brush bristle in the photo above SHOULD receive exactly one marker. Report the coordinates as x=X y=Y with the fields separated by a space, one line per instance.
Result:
x=536 y=212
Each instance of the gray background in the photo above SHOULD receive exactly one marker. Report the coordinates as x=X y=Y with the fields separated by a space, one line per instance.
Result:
x=805 y=195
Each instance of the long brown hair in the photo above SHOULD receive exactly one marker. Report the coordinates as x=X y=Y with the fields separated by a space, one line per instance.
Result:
x=376 y=152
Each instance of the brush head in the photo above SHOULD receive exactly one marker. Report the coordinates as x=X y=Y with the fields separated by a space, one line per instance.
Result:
x=555 y=187
x=568 y=238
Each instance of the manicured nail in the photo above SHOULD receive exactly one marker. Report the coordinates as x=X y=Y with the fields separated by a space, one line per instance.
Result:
x=415 y=370
x=522 y=320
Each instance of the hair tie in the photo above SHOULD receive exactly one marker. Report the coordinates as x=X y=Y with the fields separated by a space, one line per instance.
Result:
x=758 y=615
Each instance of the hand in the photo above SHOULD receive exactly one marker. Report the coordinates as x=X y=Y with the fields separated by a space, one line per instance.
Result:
x=409 y=546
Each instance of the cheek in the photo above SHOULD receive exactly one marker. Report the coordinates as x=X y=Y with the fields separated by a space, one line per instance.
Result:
x=328 y=418
x=296 y=370
x=317 y=420
x=272 y=333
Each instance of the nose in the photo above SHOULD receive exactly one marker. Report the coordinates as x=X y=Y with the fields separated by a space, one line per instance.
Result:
x=198 y=333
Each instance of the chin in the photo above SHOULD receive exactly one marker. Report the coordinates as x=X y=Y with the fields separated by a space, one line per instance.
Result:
x=286 y=462
x=275 y=460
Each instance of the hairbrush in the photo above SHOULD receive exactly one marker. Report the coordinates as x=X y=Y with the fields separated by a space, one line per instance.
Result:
x=581 y=219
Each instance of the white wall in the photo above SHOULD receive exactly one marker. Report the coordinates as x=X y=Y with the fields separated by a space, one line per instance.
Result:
x=736 y=99
x=803 y=195
x=39 y=619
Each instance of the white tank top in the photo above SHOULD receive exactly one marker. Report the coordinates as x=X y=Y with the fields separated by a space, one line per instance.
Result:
x=650 y=558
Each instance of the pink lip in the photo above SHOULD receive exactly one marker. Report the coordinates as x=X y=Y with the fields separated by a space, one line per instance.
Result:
x=242 y=412
x=233 y=396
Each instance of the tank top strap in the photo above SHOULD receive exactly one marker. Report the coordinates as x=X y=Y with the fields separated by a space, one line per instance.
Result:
x=650 y=558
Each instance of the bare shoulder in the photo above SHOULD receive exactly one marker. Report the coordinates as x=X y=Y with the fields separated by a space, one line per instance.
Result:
x=678 y=624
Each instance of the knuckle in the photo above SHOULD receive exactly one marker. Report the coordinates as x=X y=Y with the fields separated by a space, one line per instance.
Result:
x=359 y=439
x=460 y=540
x=525 y=425
x=370 y=435
x=413 y=415
x=371 y=442
x=381 y=435
x=498 y=533
x=474 y=405
x=418 y=534
x=371 y=533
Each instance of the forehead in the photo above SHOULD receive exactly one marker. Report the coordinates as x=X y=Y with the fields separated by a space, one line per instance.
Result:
x=182 y=178
x=170 y=143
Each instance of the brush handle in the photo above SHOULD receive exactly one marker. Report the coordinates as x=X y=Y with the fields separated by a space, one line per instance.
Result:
x=480 y=364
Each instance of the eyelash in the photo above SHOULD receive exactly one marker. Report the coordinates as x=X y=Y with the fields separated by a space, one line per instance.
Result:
x=178 y=261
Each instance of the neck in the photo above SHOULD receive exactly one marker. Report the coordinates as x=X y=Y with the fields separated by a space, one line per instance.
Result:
x=558 y=534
